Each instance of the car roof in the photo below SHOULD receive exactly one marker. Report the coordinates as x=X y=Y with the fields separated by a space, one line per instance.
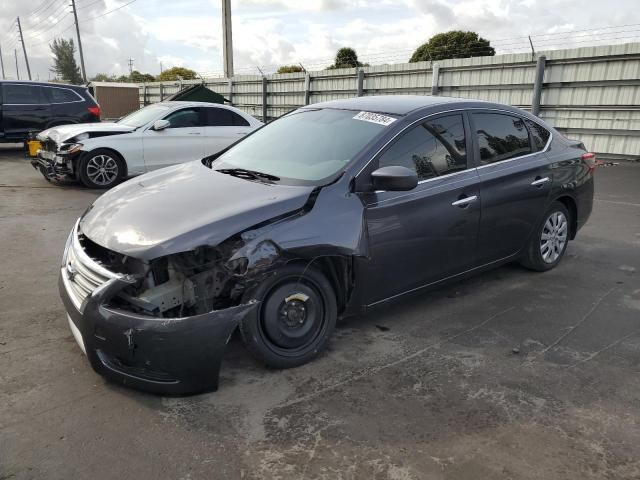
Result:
x=183 y=103
x=45 y=84
x=396 y=104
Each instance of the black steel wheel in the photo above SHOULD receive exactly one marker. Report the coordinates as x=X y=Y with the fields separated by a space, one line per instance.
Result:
x=295 y=319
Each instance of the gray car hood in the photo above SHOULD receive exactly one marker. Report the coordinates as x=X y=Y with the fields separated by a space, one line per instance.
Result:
x=179 y=208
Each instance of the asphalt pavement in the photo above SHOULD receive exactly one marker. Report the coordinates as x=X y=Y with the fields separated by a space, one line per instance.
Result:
x=507 y=375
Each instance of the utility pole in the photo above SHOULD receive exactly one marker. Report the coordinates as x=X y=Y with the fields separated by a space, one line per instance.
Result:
x=24 y=49
x=2 y=63
x=75 y=17
x=130 y=66
x=15 y=54
x=227 y=49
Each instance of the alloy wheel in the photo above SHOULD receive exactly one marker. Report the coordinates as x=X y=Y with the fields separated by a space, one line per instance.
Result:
x=554 y=237
x=102 y=170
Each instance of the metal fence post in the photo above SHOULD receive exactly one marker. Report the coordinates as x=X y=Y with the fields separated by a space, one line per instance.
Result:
x=435 y=77
x=360 y=82
x=161 y=92
x=144 y=95
x=307 y=88
x=537 y=85
x=230 y=91
x=264 y=99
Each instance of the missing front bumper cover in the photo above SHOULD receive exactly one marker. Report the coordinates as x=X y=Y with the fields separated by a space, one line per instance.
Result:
x=161 y=355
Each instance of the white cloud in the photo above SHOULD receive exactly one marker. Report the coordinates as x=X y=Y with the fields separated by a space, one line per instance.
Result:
x=269 y=33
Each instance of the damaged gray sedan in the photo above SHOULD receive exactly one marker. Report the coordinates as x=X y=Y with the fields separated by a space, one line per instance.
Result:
x=329 y=210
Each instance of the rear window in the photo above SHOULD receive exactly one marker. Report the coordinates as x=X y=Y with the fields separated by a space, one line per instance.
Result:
x=500 y=137
x=17 y=94
x=63 y=95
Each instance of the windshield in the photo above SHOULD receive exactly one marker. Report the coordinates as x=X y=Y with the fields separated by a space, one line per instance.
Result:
x=144 y=115
x=304 y=147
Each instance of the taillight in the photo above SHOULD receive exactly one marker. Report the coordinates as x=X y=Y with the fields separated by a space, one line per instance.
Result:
x=590 y=161
x=95 y=110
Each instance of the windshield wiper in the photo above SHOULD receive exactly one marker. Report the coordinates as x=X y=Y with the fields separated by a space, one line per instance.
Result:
x=248 y=174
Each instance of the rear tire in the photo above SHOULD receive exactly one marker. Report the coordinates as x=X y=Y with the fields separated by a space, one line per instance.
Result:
x=101 y=168
x=549 y=241
x=295 y=319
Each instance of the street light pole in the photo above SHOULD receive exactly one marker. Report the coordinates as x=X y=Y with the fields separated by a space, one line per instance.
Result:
x=75 y=17
x=227 y=48
x=15 y=54
x=24 y=49
x=2 y=63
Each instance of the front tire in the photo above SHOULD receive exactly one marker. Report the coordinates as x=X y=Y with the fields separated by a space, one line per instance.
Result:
x=295 y=319
x=101 y=168
x=549 y=242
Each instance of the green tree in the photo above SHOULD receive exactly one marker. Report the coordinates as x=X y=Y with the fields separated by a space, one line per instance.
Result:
x=103 y=77
x=64 y=62
x=453 y=44
x=290 y=69
x=137 y=77
x=175 y=72
x=347 y=58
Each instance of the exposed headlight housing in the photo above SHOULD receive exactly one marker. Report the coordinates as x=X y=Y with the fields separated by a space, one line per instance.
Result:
x=70 y=147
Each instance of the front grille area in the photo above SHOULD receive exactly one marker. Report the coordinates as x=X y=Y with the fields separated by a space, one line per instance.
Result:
x=49 y=145
x=81 y=274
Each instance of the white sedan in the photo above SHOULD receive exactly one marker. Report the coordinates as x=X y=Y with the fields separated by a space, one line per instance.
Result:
x=102 y=154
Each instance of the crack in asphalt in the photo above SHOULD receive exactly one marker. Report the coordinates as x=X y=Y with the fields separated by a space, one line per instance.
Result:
x=373 y=370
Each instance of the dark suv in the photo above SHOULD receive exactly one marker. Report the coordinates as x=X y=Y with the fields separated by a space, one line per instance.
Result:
x=27 y=107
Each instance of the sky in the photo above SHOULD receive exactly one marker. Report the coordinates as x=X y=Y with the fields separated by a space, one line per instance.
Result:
x=269 y=33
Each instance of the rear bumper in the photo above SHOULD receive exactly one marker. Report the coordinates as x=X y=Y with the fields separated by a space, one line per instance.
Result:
x=174 y=356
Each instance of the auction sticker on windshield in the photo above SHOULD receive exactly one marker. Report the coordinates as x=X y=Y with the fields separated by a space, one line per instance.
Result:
x=375 y=118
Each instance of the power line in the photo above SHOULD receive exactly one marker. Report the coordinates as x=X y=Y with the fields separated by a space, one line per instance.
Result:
x=42 y=19
x=111 y=11
x=86 y=5
x=39 y=11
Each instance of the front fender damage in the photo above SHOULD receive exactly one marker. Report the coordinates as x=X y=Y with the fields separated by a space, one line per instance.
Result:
x=170 y=324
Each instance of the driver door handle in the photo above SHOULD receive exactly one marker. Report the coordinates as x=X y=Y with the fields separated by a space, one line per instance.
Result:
x=463 y=202
x=540 y=181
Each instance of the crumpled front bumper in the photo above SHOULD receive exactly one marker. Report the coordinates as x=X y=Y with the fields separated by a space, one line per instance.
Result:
x=174 y=356
x=54 y=170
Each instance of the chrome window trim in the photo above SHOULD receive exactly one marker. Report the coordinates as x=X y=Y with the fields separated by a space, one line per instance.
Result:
x=375 y=155
x=416 y=192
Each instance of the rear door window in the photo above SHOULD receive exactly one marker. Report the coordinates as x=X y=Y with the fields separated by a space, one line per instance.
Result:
x=539 y=134
x=63 y=95
x=218 y=117
x=436 y=147
x=221 y=117
x=500 y=137
x=17 y=94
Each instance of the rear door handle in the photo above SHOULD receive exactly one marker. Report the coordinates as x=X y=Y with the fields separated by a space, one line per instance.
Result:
x=463 y=202
x=540 y=181
x=194 y=133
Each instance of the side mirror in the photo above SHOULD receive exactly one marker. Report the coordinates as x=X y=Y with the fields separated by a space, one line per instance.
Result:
x=160 y=125
x=394 y=178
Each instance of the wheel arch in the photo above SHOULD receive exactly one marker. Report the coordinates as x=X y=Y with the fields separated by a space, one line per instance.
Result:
x=571 y=205
x=86 y=153
x=338 y=270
